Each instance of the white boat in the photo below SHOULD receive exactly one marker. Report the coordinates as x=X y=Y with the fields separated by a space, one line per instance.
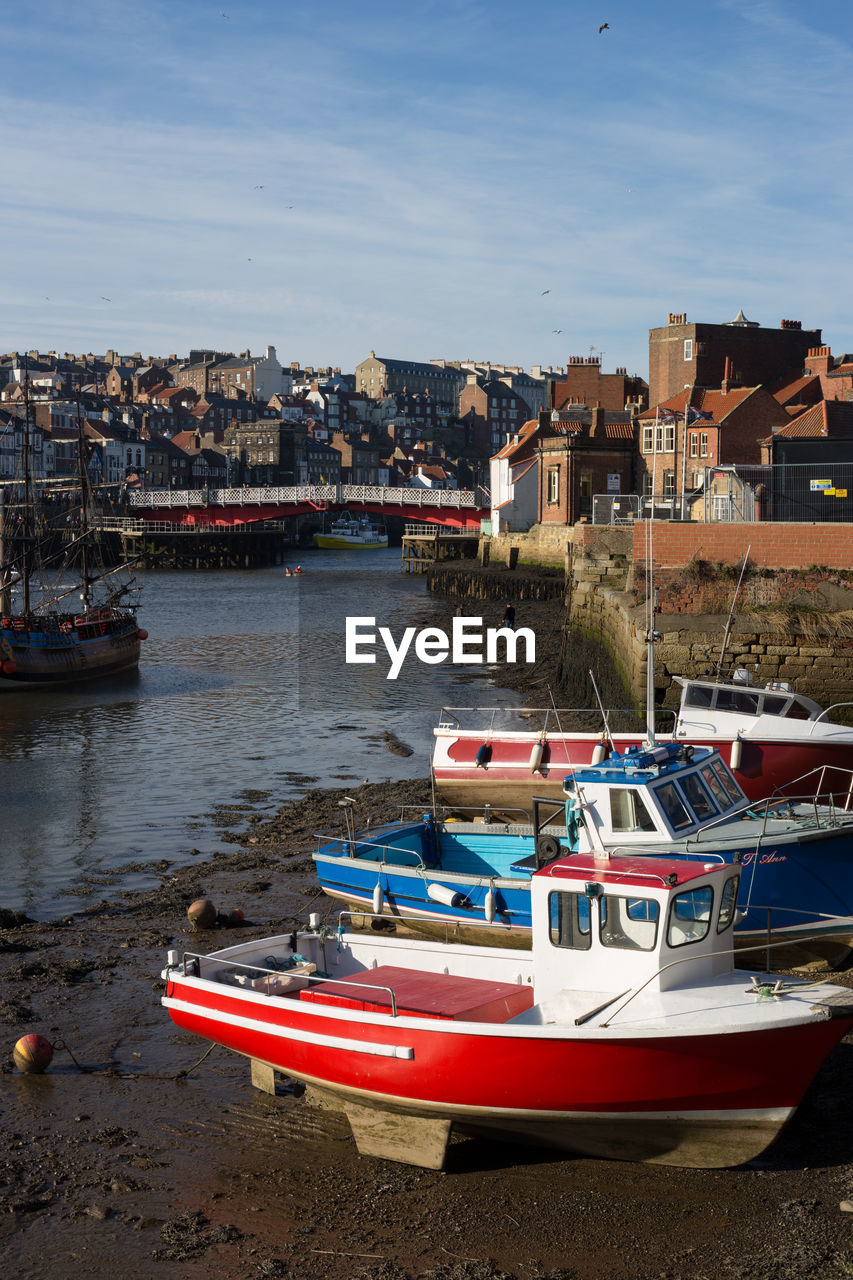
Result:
x=625 y=1032
x=768 y=735
x=356 y=532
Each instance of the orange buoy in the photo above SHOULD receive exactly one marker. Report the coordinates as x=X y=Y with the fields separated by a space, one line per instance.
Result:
x=9 y=667
x=235 y=916
x=202 y=914
x=32 y=1053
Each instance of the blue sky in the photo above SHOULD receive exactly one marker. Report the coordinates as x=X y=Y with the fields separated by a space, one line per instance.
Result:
x=334 y=178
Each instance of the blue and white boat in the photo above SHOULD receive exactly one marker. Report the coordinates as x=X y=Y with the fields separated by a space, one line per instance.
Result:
x=472 y=878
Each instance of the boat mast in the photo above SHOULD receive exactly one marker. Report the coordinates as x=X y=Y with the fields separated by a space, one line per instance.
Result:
x=5 y=577
x=27 y=523
x=85 y=580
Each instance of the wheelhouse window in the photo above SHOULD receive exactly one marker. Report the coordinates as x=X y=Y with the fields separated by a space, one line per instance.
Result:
x=727 y=782
x=728 y=903
x=628 y=923
x=570 y=921
x=628 y=810
x=673 y=806
x=690 y=916
x=700 y=800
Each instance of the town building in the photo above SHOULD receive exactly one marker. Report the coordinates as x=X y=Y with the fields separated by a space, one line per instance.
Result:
x=379 y=376
x=585 y=384
x=682 y=354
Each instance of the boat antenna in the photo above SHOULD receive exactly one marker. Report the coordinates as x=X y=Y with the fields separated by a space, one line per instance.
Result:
x=604 y=715
x=27 y=527
x=730 y=620
x=651 y=636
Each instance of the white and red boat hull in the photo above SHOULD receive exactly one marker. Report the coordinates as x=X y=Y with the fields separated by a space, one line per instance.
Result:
x=706 y=1100
x=506 y=779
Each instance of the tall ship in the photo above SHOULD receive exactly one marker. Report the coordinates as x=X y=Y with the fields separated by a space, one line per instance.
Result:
x=355 y=532
x=65 y=616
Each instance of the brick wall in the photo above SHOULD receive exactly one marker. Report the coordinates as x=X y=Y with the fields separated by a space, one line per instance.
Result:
x=771 y=546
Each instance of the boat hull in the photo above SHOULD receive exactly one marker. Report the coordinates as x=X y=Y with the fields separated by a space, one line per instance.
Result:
x=45 y=665
x=698 y=1100
x=507 y=780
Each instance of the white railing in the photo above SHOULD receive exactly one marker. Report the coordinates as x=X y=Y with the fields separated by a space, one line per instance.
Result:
x=344 y=494
x=438 y=531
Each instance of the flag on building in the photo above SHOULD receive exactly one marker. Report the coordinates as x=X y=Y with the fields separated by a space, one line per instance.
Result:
x=698 y=415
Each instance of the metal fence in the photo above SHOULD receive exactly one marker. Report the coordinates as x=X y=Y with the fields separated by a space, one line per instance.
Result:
x=737 y=494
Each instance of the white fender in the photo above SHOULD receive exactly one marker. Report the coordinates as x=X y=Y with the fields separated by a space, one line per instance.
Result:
x=490 y=907
x=536 y=754
x=599 y=753
x=377 y=899
x=736 y=753
x=441 y=893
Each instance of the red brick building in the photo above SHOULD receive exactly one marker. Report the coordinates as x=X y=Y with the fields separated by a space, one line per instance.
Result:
x=586 y=452
x=696 y=354
x=584 y=383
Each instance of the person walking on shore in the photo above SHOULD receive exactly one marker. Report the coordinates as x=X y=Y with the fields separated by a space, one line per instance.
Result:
x=509 y=617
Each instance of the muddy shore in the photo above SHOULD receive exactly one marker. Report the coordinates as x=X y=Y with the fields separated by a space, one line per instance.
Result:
x=132 y=1157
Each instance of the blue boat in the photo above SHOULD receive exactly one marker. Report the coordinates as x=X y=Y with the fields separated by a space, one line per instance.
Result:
x=472 y=878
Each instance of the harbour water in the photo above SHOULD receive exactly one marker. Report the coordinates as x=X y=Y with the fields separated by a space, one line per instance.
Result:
x=243 y=688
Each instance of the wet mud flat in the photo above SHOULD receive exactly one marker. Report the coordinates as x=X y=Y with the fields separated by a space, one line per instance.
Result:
x=133 y=1157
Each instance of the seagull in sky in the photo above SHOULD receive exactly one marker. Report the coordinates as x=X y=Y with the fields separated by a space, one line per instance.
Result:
x=259 y=186
x=605 y=26
x=556 y=330
x=103 y=299
x=544 y=291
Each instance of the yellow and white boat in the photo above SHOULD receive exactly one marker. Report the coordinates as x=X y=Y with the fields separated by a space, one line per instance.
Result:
x=351 y=531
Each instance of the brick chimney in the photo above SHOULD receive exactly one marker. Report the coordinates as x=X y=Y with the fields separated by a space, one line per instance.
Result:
x=727 y=376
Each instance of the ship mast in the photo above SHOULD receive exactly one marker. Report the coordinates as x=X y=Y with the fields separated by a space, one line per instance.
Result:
x=85 y=577
x=27 y=524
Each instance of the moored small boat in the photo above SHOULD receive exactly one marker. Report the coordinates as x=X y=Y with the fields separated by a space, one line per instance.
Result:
x=349 y=532
x=768 y=736
x=625 y=1032
x=474 y=877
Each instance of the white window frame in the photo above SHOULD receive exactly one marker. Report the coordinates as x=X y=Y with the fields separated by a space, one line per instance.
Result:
x=703 y=444
x=688 y=348
x=553 y=486
x=694 y=444
x=669 y=437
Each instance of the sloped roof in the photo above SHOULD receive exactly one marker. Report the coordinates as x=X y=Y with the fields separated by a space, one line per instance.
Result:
x=832 y=419
x=525 y=435
x=789 y=390
x=718 y=403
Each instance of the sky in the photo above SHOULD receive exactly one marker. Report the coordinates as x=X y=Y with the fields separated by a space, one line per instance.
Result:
x=463 y=180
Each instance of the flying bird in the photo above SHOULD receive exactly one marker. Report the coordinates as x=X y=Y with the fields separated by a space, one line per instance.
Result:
x=259 y=186
x=605 y=26
x=103 y=299
x=556 y=330
x=544 y=291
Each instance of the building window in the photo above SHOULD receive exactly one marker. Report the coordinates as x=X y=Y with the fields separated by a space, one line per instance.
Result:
x=688 y=348
x=694 y=445
x=668 y=484
x=703 y=444
x=669 y=438
x=648 y=438
x=553 y=485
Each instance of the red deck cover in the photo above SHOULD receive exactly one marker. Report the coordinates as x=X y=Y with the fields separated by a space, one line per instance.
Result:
x=425 y=995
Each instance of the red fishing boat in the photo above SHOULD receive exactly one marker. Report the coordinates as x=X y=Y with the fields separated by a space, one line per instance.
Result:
x=625 y=1032
x=769 y=736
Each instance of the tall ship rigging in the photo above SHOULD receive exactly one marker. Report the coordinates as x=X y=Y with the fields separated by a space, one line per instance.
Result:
x=64 y=615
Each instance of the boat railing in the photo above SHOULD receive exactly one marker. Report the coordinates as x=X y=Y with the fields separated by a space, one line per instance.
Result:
x=192 y=961
x=491 y=814
x=550 y=720
x=824 y=715
x=766 y=946
x=806 y=793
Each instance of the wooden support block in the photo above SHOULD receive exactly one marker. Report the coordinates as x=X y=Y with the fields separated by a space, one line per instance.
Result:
x=263 y=1076
x=413 y=1140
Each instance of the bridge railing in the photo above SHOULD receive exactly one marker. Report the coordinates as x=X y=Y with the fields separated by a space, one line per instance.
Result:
x=317 y=494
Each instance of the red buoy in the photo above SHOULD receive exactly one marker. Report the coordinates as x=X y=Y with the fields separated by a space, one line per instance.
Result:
x=202 y=914
x=143 y=635
x=32 y=1053
x=9 y=667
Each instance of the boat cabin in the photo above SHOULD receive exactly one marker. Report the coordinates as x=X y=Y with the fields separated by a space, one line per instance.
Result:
x=609 y=926
x=704 y=701
x=645 y=795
